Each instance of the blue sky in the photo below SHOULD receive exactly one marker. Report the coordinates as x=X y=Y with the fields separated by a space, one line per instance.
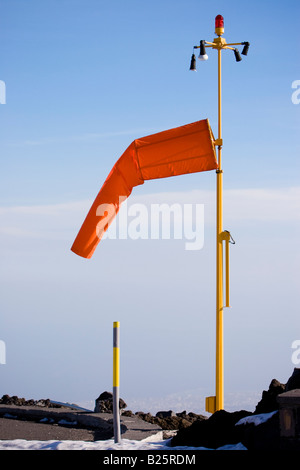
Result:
x=85 y=78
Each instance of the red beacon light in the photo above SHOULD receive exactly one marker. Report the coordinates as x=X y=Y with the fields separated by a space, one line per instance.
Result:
x=219 y=25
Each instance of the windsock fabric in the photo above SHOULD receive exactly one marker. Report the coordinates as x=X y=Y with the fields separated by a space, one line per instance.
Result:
x=178 y=151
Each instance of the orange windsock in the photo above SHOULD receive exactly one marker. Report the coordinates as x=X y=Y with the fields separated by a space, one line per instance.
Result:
x=178 y=151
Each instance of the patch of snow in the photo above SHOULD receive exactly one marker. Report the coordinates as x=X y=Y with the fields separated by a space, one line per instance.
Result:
x=69 y=423
x=47 y=420
x=256 y=419
x=238 y=446
x=125 y=444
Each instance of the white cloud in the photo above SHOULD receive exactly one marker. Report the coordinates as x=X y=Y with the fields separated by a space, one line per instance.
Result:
x=263 y=204
x=53 y=220
x=282 y=204
x=46 y=209
x=42 y=221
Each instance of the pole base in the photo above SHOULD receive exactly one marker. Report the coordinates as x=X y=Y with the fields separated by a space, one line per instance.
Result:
x=210 y=404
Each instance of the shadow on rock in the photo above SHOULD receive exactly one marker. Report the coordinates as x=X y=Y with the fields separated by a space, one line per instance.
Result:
x=214 y=432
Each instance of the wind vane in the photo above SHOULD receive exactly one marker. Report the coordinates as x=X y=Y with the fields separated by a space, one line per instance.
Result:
x=219 y=43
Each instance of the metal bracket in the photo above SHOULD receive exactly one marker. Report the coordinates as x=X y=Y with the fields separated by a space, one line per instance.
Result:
x=218 y=142
x=210 y=404
x=226 y=236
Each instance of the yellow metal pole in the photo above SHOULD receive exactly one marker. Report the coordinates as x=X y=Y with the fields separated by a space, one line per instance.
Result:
x=216 y=402
x=219 y=257
x=116 y=355
x=116 y=381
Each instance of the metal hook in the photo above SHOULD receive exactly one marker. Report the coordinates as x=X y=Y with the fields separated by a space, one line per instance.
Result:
x=231 y=240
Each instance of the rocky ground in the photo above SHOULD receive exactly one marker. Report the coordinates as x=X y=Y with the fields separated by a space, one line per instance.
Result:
x=191 y=429
x=14 y=400
x=167 y=420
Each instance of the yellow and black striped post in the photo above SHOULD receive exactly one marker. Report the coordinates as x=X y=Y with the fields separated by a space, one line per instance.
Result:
x=116 y=380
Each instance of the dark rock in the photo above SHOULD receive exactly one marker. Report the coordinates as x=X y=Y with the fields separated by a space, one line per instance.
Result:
x=165 y=414
x=31 y=402
x=16 y=401
x=265 y=436
x=184 y=423
x=268 y=401
x=182 y=414
x=6 y=400
x=218 y=430
x=171 y=422
x=104 y=403
x=145 y=416
x=128 y=413
x=294 y=380
x=105 y=396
